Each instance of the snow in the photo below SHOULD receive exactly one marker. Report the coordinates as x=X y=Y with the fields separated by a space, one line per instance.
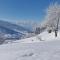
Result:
x=33 y=51
x=44 y=36
x=49 y=36
x=42 y=47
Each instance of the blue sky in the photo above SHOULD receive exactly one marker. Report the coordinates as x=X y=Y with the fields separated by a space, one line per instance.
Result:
x=16 y=10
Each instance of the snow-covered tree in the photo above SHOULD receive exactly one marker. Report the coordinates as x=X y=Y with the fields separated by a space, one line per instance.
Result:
x=52 y=16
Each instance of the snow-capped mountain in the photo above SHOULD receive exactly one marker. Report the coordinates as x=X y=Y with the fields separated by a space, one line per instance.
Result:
x=12 y=31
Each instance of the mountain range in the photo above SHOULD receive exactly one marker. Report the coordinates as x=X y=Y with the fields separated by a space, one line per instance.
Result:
x=12 y=31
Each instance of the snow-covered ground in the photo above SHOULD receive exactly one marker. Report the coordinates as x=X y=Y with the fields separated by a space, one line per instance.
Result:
x=42 y=47
x=44 y=36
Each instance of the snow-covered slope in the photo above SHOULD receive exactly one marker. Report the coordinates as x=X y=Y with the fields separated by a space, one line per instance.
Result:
x=44 y=36
x=31 y=51
x=48 y=48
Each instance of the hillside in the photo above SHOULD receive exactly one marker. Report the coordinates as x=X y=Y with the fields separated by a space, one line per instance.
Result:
x=12 y=31
x=44 y=36
x=43 y=50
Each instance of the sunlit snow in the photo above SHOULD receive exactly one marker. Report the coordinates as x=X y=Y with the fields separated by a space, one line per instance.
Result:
x=32 y=48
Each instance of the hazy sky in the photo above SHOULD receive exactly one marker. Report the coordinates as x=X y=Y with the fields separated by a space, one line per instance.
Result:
x=15 y=10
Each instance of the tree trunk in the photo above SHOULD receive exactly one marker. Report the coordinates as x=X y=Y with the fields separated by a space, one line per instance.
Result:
x=56 y=30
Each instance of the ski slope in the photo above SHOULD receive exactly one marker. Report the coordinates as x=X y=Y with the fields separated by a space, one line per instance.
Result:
x=28 y=49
